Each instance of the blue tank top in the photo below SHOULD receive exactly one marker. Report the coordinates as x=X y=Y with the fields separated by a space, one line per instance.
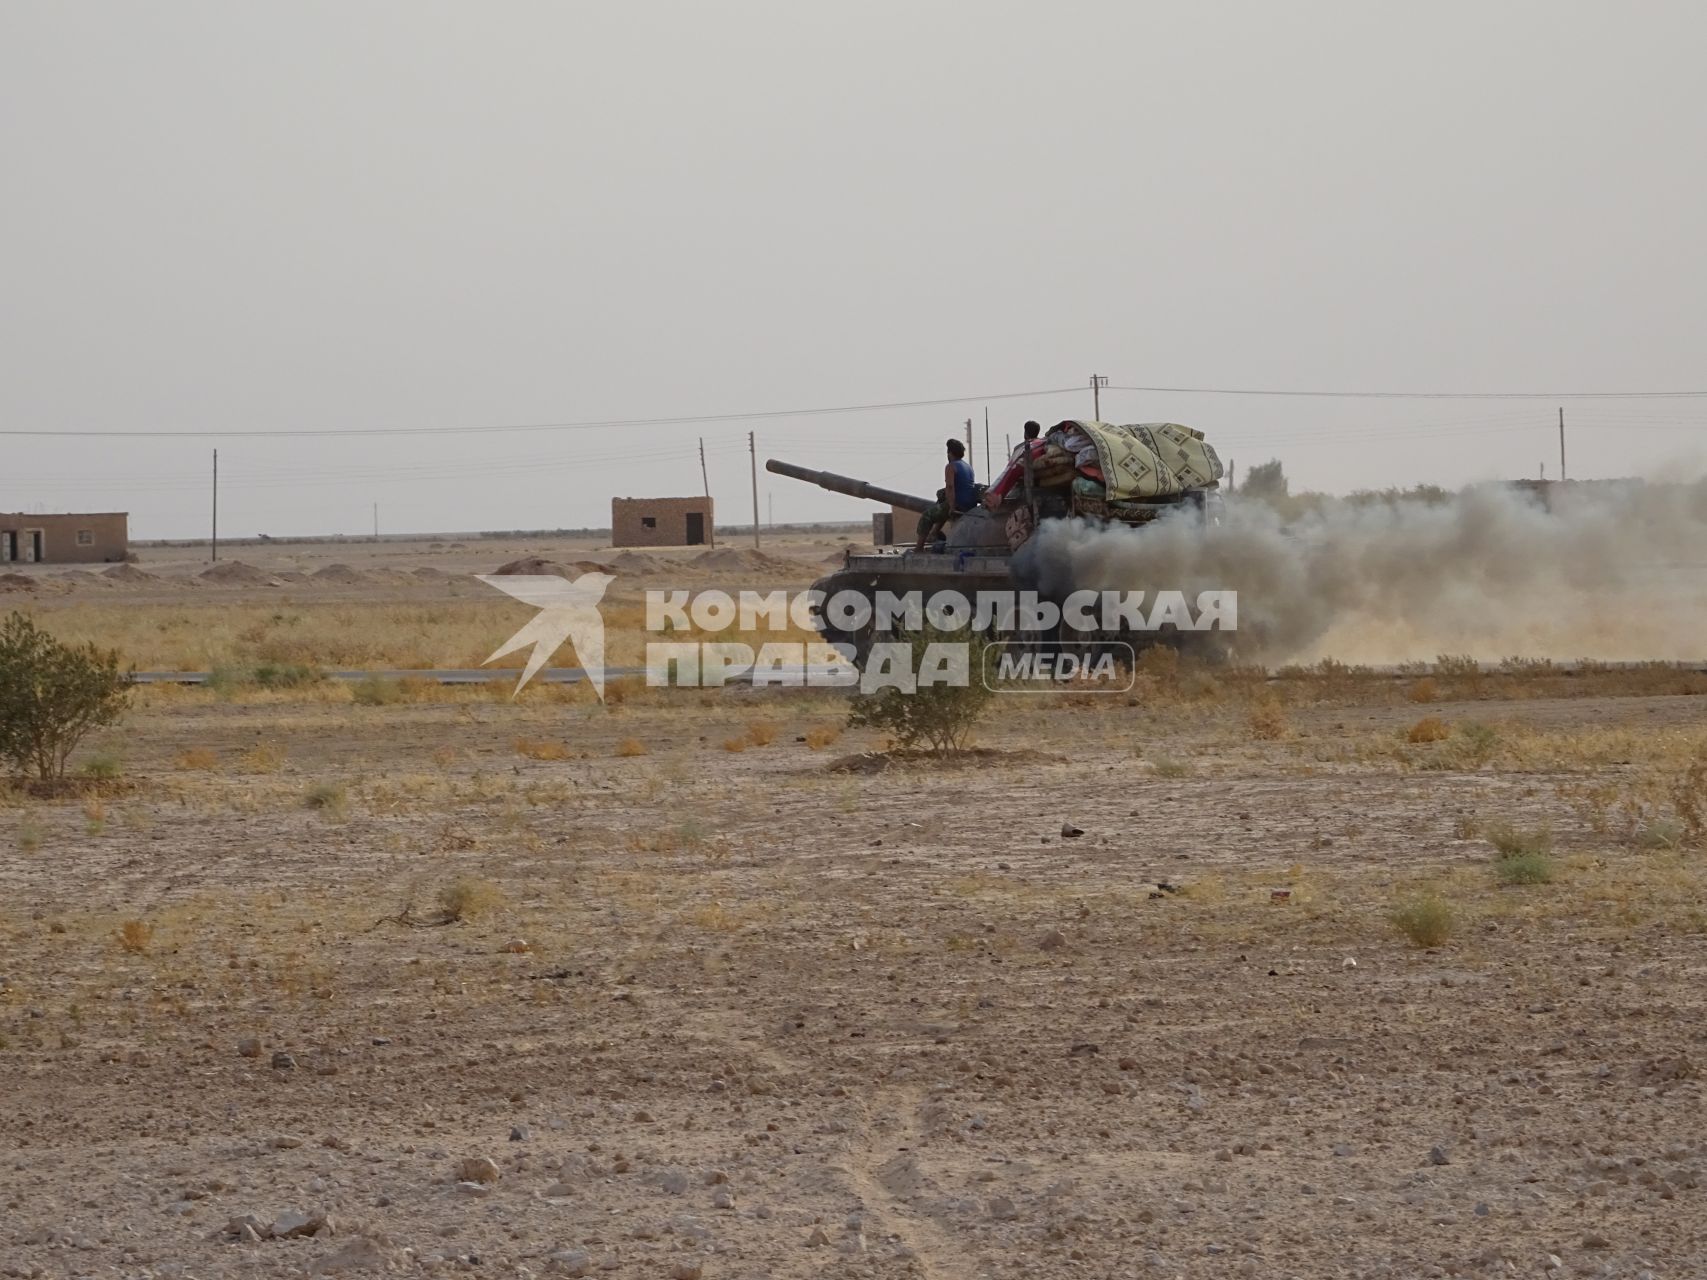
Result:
x=965 y=497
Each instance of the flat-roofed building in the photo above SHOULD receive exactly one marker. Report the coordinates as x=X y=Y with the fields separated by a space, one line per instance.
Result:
x=91 y=538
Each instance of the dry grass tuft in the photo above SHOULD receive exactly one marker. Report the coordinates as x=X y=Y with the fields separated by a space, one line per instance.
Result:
x=1426 y=920
x=631 y=747
x=329 y=798
x=820 y=736
x=200 y=758
x=1514 y=842
x=542 y=749
x=735 y=744
x=1170 y=767
x=134 y=936
x=1268 y=720
x=467 y=898
x=1424 y=690
x=761 y=733
x=263 y=757
x=1429 y=729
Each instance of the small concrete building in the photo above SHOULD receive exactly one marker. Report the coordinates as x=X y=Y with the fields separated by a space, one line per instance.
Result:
x=66 y=539
x=660 y=522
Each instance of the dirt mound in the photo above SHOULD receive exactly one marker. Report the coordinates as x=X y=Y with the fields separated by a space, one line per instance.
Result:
x=534 y=565
x=16 y=582
x=128 y=573
x=744 y=559
x=81 y=578
x=340 y=574
x=234 y=573
x=836 y=559
x=636 y=562
x=427 y=571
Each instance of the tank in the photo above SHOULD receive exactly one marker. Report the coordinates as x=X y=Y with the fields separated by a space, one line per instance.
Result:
x=982 y=549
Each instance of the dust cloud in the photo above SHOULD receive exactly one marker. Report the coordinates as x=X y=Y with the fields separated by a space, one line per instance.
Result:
x=1614 y=572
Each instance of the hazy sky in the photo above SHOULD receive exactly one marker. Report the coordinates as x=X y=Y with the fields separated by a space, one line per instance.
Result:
x=329 y=216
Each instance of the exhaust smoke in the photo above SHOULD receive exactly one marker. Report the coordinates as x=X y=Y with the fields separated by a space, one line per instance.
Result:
x=1614 y=571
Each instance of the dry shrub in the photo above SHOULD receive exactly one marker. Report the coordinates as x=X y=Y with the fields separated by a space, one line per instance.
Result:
x=1516 y=842
x=541 y=749
x=263 y=757
x=736 y=744
x=1170 y=767
x=821 y=736
x=663 y=840
x=1689 y=801
x=631 y=747
x=622 y=689
x=715 y=917
x=1428 y=729
x=445 y=757
x=1424 y=690
x=468 y=897
x=1426 y=920
x=203 y=758
x=761 y=733
x=1268 y=720
x=328 y=798
x=134 y=936
x=95 y=815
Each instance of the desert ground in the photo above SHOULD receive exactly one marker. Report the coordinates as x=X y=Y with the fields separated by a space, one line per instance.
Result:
x=1344 y=974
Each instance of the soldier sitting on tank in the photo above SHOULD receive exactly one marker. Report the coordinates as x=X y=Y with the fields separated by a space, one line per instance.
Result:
x=958 y=493
x=1032 y=431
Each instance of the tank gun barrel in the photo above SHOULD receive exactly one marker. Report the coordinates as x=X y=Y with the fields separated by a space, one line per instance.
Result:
x=853 y=488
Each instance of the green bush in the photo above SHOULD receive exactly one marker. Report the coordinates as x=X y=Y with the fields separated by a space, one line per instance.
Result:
x=1427 y=921
x=103 y=766
x=52 y=696
x=941 y=714
x=1524 y=868
x=1515 y=842
x=287 y=675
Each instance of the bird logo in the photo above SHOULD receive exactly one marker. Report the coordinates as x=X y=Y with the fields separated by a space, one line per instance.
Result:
x=568 y=610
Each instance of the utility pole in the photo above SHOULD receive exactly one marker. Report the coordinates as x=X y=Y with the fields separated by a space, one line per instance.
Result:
x=376 y=522
x=215 y=542
x=1232 y=473
x=969 y=454
x=1098 y=382
x=753 y=451
x=711 y=533
x=988 y=474
x=1561 y=442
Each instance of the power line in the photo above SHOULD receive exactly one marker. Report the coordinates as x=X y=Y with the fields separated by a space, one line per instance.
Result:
x=584 y=425
x=830 y=410
x=1420 y=395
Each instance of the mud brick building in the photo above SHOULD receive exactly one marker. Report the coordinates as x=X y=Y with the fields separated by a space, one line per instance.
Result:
x=660 y=522
x=65 y=539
